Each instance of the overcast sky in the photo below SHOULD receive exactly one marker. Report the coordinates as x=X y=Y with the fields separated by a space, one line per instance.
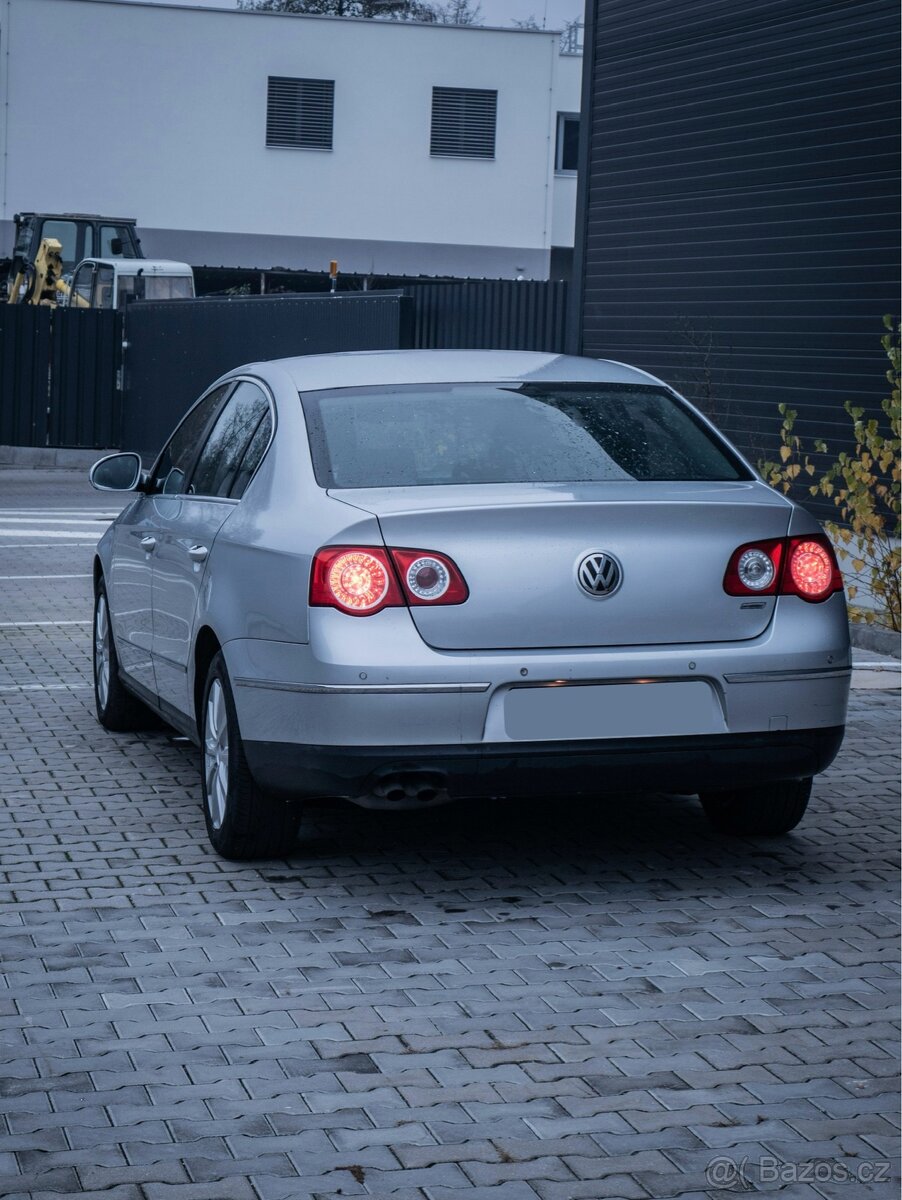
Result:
x=549 y=14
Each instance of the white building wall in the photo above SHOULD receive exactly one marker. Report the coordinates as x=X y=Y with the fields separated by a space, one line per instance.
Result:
x=566 y=88
x=159 y=112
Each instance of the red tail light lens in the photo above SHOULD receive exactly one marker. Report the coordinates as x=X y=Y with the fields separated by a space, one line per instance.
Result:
x=812 y=571
x=429 y=578
x=797 y=566
x=362 y=580
x=359 y=580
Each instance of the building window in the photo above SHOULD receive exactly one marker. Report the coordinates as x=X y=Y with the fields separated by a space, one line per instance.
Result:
x=566 y=158
x=299 y=113
x=463 y=122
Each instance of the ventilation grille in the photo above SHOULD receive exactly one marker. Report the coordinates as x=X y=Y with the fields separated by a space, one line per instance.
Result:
x=463 y=122
x=299 y=112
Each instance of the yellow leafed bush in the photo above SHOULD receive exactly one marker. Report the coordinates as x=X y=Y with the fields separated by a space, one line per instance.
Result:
x=863 y=485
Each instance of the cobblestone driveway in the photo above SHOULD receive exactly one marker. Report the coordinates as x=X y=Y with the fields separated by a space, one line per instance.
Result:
x=520 y=1003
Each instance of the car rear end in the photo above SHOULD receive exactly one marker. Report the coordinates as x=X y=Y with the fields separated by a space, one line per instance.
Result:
x=576 y=587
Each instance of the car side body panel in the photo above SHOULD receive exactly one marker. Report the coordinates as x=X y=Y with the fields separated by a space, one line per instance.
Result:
x=128 y=569
x=187 y=525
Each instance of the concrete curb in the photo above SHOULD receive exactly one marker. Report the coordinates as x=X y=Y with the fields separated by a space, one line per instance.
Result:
x=877 y=639
x=44 y=458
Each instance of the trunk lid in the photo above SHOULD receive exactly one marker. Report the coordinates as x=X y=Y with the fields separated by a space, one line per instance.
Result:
x=519 y=548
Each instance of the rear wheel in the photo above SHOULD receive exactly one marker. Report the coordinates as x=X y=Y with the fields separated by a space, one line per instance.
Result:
x=117 y=709
x=769 y=810
x=242 y=821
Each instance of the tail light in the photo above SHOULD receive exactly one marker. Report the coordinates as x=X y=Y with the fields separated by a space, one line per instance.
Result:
x=754 y=570
x=811 y=570
x=362 y=580
x=355 y=579
x=794 y=566
x=429 y=578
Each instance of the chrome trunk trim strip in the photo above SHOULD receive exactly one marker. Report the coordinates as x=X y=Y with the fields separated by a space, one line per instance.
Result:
x=363 y=689
x=790 y=676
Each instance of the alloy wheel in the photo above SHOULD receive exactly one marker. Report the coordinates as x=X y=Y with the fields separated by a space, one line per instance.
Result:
x=102 y=651
x=216 y=754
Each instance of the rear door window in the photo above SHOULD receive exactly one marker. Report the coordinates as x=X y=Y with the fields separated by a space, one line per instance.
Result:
x=252 y=456
x=509 y=433
x=221 y=458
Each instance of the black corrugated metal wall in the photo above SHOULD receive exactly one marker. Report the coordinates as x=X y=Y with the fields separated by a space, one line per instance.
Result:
x=490 y=314
x=739 y=211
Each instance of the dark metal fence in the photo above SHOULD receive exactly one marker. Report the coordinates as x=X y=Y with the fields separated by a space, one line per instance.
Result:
x=84 y=403
x=97 y=379
x=176 y=349
x=492 y=314
x=24 y=375
x=58 y=376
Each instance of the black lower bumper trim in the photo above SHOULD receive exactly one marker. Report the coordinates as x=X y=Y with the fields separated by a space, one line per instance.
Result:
x=512 y=769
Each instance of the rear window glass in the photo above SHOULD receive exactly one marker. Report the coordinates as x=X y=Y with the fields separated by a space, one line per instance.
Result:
x=508 y=433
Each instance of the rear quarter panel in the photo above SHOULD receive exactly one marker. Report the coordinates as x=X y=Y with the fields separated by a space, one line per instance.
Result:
x=258 y=577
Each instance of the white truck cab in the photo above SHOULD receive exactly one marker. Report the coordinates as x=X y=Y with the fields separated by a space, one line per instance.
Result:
x=107 y=283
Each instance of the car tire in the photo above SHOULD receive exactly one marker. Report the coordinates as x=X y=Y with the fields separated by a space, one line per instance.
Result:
x=117 y=709
x=242 y=821
x=768 y=810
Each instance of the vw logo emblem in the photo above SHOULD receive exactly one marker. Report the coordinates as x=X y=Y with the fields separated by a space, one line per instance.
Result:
x=599 y=574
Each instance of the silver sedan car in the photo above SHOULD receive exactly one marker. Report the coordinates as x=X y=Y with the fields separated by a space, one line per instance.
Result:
x=404 y=577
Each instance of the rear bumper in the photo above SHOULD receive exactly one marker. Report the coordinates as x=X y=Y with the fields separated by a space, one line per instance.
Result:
x=372 y=774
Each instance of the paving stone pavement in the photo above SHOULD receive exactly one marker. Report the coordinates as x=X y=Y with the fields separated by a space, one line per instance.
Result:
x=543 y=1002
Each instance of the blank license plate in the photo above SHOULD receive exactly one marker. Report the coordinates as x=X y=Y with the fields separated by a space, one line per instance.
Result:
x=613 y=710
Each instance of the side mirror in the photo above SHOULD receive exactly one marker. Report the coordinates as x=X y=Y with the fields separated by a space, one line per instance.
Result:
x=116 y=473
x=116 y=247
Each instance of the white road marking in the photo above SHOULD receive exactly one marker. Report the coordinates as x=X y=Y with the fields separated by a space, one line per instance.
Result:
x=53 y=524
x=50 y=533
x=49 y=519
x=36 y=624
x=2 y=577
x=61 y=512
x=44 y=545
x=43 y=687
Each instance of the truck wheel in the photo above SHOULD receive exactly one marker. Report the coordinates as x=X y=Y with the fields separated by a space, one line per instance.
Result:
x=117 y=709
x=242 y=822
x=768 y=810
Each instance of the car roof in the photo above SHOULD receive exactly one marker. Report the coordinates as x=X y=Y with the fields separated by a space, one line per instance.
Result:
x=81 y=217
x=141 y=266
x=374 y=368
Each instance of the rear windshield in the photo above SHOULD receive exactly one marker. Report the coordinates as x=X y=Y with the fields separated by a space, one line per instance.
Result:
x=508 y=433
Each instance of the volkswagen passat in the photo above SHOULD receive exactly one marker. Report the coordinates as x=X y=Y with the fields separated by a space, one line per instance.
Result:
x=410 y=576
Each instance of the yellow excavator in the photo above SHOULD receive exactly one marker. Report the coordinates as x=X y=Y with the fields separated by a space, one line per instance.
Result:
x=97 y=283
x=41 y=281
x=63 y=271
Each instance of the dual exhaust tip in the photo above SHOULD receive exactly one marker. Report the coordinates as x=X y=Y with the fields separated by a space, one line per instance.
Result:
x=407 y=789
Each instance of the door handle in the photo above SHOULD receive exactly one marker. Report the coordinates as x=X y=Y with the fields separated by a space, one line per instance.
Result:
x=148 y=543
x=198 y=553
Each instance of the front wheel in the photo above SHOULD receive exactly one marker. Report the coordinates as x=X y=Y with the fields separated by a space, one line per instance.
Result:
x=242 y=822
x=768 y=810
